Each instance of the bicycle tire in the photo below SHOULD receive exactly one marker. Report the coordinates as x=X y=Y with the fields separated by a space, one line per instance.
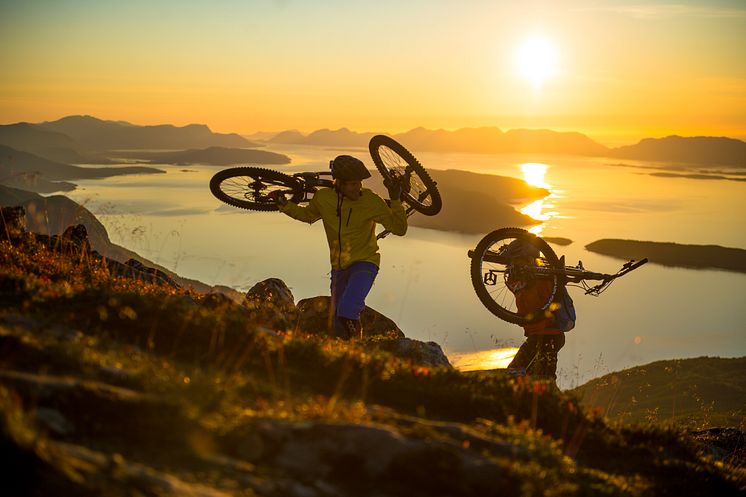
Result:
x=249 y=187
x=487 y=265
x=393 y=161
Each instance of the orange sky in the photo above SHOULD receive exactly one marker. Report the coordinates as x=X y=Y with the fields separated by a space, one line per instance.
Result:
x=617 y=71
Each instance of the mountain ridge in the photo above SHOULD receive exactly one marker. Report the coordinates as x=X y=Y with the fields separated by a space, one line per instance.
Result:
x=684 y=150
x=87 y=133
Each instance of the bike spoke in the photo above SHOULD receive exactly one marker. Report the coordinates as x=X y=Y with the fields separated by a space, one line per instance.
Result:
x=398 y=167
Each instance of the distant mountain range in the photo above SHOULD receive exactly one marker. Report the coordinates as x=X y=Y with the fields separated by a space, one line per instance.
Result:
x=86 y=139
x=685 y=150
x=96 y=135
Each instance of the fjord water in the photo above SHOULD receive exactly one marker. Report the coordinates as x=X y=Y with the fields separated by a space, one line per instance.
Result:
x=653 y=313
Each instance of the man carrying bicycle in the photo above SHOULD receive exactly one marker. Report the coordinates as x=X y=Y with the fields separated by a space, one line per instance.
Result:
x=537 y=356
x=350 y=214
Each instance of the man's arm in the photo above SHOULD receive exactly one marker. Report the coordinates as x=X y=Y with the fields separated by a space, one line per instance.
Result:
x=393 y=219
x=308 y=214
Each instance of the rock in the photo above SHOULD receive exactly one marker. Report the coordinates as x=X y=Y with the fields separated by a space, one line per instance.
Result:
x=157 y=276
x=271 y=304
x=313 y=318
x=216 y=300
x=426 y=353
x=13 y=221
x=340 y=458
x=272 y=291
x=77 y=236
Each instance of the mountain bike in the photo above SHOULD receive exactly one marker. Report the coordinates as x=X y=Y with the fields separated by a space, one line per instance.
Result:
x=254 y=187
x=492 y=271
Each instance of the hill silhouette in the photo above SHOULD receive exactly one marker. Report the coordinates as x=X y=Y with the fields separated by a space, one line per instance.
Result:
x=472 y=140
x=98 y=135
x=115 y=386
x=674 y=254
x=687 y=150
x=491 y=140
x=30 y=172
x=473 y=202
x=88 y=137
x=45 y=143
x=51 y=215
x=699 y=393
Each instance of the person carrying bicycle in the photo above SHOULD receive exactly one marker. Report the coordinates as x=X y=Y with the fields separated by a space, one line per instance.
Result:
x=537 y=356
x=350 y=214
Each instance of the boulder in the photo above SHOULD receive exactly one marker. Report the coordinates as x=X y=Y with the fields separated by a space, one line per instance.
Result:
x=425 y=353
x=313 y=318
x=271 y=304
x=13 y=221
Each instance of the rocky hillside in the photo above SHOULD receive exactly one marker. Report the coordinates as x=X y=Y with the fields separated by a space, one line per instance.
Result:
x=699 y=393
x=115 y=381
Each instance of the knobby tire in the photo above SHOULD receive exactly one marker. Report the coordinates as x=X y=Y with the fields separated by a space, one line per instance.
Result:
x=393 y=161
x=249 y=187
x=495 y=295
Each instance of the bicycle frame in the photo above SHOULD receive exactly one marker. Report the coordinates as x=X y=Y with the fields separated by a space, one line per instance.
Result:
x=571 y=274
x=312 y=181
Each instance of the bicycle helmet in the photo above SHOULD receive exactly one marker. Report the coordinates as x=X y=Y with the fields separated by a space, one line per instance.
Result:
x=520 y=248
x=348 y=168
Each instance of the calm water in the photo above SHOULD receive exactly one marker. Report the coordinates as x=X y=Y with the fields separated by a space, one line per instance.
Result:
x=654 y=313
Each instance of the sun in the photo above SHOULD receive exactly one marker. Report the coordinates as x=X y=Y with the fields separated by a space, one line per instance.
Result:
x=536 y=60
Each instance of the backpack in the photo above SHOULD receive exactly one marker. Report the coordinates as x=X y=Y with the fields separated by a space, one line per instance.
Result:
x=564 y=315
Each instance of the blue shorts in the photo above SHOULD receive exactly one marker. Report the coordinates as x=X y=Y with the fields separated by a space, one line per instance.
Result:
x=350 y=287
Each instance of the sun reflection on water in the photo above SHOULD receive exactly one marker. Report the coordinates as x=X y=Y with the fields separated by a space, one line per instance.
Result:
x=534 y=174
x=484 y=360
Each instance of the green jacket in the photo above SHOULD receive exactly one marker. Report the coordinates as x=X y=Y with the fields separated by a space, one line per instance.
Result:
x=354 y=227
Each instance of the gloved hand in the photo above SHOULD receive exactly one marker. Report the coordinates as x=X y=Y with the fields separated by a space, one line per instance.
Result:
x=395 y=186
x=278 y=197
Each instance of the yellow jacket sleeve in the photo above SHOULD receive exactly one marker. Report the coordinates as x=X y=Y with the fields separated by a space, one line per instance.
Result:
x=393 y=219
x=308 y=214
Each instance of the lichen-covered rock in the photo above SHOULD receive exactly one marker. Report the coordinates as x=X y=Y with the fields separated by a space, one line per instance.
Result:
x=426 y=353
x=13 y=221
x=314 y=318
x=271 y=304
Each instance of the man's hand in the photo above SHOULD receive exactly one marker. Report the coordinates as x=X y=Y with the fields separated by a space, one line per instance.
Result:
x=278 y=197
x=396 y=186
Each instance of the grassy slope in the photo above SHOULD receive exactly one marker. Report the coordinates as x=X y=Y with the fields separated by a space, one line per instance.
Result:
x=701 y=392
x=111 y=387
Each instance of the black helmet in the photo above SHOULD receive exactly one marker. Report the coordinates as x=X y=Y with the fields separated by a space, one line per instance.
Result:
x=518 y=249
x=348 y=168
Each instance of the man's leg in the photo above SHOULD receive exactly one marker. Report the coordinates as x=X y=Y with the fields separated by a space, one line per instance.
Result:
x=339 y=280
x=525 y=355
x=360 y=278
x=545 y=363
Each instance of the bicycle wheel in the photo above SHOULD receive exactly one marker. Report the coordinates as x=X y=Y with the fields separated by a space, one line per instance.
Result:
x=394 y=161
x=249 y=187
x=492 y=271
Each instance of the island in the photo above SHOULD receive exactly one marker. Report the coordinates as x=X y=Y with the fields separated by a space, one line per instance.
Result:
x=673 y=254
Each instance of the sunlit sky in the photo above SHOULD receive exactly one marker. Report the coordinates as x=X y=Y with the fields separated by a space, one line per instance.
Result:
x=617 y=71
